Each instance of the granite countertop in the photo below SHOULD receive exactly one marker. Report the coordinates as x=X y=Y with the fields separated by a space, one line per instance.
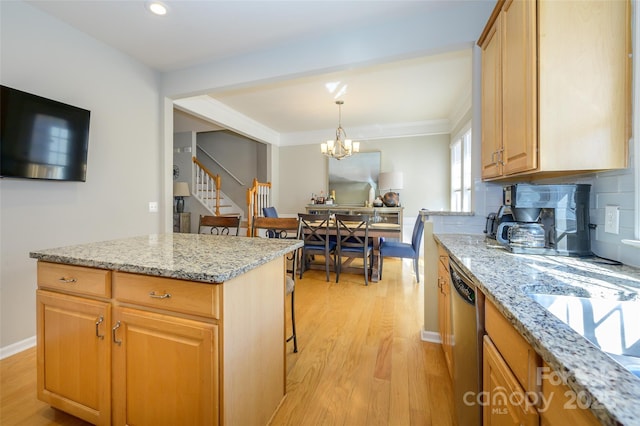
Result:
x=506 y=278
x=351 y=207
x=426 y=213
x=193 y=257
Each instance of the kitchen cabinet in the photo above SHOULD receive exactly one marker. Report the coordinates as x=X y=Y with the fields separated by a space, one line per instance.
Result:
x=560 y=405
x=128 y=348
x=444 y=308
x=153 y=344
x=491 y=102
x=74 y=355
x=506 y=403
x=73 y=314
x=555 y=97
x=510 y=367
x=150 y=382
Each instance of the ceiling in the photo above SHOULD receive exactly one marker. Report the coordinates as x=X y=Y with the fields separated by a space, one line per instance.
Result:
x=199 y=32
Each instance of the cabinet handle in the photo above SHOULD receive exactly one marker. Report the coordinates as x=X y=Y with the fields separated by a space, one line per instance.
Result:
x=113 y=334
x=159 y=296
x=67 y=280
x=98 y=322
x=500 y=159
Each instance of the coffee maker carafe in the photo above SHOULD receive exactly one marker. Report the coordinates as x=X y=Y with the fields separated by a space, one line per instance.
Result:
x=548 y=219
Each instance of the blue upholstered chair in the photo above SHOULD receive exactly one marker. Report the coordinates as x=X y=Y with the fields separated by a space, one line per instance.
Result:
x=269 y=212
x=405 y=250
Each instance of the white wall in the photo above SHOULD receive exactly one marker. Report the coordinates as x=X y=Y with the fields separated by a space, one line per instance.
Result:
x=41 y=55
x=424 y=161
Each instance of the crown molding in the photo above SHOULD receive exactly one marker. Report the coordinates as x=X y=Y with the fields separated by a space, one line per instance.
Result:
x=363 y=133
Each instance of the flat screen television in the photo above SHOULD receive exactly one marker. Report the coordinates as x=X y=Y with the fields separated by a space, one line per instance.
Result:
x=41 y=138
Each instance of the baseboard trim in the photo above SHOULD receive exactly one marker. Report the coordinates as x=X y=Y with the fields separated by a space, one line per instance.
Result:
x=20 y=346
x=430 y=336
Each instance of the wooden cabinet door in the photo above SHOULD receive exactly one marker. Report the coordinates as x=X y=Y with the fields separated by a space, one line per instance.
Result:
x=491 y=86
x=584 y=89
x=165 y=370
x=561 y=405
x=74 y=363
x=444 y=311
x=519 y=87
x=506 y=403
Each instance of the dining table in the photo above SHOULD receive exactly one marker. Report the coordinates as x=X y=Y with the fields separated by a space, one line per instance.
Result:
x=377 y=230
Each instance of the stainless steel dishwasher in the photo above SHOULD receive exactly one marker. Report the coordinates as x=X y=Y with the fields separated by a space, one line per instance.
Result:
x=467 y=318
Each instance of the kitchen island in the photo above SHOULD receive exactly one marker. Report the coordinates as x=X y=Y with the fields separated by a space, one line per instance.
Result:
x=164 y=329
x=595 y=381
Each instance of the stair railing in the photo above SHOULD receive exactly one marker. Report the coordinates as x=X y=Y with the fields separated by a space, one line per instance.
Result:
x=212 y=158
x=258 y=196
x=206 y=186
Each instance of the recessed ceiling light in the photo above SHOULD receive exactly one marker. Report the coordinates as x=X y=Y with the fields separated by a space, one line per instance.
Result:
x=157 y=8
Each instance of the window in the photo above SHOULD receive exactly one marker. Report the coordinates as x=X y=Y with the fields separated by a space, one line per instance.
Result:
x=461 y=172
x=51 y=140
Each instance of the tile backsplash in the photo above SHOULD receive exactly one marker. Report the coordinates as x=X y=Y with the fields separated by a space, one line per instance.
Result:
x=607 y=188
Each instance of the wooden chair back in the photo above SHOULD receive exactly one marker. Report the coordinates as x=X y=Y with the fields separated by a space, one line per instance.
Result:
x=276 y=227
x=313 y=229
x=220 y=225
x=353 y=242
x=353 y=231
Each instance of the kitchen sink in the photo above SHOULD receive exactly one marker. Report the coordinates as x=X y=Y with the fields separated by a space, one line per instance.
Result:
x=611 y=325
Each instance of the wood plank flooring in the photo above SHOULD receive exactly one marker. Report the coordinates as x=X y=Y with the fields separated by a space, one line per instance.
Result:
x=360 y=359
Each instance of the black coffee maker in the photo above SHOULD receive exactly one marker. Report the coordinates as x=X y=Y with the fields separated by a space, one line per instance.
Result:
x=547 y=219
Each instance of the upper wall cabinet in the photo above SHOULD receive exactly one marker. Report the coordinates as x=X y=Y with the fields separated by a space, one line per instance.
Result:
x=556 y=88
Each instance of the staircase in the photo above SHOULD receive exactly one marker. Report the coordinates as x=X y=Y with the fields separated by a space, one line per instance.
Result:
x=206 y=189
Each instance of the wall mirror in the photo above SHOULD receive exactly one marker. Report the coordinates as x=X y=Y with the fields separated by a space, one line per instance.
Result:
x=352 y=177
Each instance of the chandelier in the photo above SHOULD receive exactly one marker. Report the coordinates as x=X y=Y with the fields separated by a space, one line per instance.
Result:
x=341 y=147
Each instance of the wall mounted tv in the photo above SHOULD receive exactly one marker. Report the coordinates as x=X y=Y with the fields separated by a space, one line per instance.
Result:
x=41 y=138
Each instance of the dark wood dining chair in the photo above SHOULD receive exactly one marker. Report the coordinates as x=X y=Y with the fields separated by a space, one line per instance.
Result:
x=353 y=242
x=313 y=229
x=219 y=225
x=282 y=227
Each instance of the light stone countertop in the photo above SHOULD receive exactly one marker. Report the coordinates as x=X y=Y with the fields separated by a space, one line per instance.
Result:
x=506 y=278
x=426 y=213
x=193 y=257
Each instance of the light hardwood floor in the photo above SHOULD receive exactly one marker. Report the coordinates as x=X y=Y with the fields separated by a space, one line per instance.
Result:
x=360 y=359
